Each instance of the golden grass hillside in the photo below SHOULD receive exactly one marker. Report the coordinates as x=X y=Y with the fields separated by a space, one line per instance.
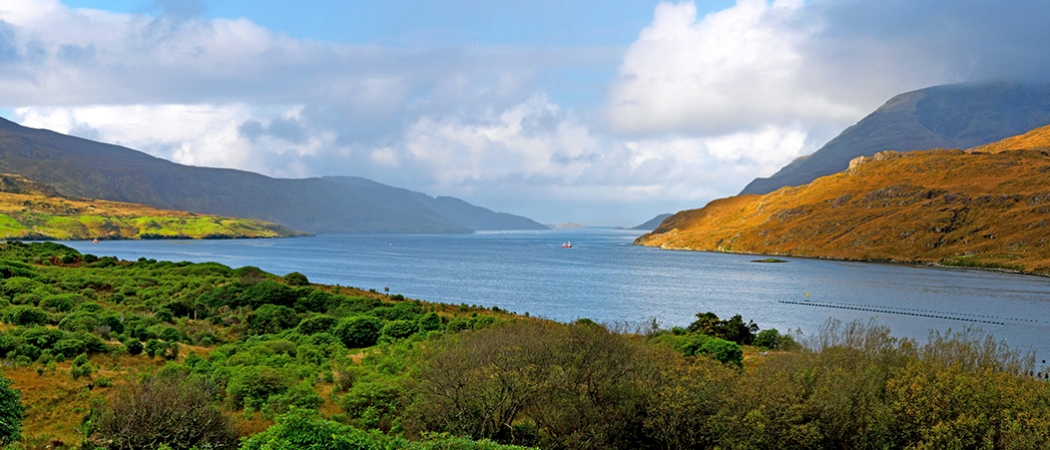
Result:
x=986 y=207
x=30 y=210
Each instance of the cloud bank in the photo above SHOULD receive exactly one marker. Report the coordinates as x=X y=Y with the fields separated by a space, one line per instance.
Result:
x=700 y=103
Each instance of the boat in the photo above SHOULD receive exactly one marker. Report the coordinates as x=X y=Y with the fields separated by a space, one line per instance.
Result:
x=566 y=245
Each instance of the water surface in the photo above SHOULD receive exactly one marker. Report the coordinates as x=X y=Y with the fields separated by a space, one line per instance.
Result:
x=605 y=278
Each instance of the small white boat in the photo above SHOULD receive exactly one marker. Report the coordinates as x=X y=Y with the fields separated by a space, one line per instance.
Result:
x=566 y=245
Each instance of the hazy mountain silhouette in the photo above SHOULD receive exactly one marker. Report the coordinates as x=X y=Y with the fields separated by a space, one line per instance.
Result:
x=83 y=168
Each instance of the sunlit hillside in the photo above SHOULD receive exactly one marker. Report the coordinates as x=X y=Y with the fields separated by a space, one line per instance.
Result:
x=987 y=207
x=36 y=211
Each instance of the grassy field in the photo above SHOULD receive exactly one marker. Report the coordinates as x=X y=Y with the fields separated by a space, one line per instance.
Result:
x=32 y=211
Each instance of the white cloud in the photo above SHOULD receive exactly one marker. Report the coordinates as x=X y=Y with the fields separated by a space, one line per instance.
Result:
x=732 y=70
x=200 y=135
x=700 y=106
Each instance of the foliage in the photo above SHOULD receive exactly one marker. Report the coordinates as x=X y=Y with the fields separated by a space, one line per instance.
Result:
x=734 y=329
x=171 y=410
x=11 y=412
x=358 y=332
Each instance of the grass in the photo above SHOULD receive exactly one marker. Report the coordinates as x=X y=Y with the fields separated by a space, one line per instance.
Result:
x=38 y=216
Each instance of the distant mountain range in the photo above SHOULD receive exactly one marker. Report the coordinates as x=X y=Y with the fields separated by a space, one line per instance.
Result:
x=953 y=116
x=987 y=207
x=651 y=224
x=80 y=168
x=449 y=208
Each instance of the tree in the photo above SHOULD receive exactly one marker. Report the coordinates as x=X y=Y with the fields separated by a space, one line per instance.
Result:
x=11 y=412
x=358 y=332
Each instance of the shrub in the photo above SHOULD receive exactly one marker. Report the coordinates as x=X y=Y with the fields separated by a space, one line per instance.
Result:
x=296 y=279
x=25 y=315
x=134 y=347
x=767 y=338
x=268 y=293
x=317 y=324
x=79 y=321
x=358 y=332
x=254 y=385
x=163 y=410
x=11 y=412
x=271 y=319
x=314 y=301
x=429 y=322
x=397 y=329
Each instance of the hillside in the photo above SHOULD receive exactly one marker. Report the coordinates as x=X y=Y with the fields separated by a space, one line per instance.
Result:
x=953 y=116
x=81 y=168
x=30 y=210
x=452 y=209
x=973 y=208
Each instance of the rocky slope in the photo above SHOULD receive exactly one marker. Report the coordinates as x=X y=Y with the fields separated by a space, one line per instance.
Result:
x=986 y=207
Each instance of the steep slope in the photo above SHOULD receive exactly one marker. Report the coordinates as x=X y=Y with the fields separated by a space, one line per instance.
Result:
x=953 y=116
x=30 y=210
x=86 y=169
x=450 y=208
x=973 y=208
x=651 y=224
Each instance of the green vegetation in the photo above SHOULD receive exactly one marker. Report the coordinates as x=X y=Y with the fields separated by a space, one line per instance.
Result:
x=145 y=354
x=769 y=260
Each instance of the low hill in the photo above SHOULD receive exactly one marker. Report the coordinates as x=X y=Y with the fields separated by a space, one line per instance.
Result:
x=953 y=116
x=975 y=208
x=449 y=208
x=651 y=224
x=81 y=168
x=30 y=210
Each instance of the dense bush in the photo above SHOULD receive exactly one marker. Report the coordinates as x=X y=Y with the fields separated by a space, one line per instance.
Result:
x=26 y=315
x=11 y=412
x=271 y=319
x=171 y=410
x=358 y=332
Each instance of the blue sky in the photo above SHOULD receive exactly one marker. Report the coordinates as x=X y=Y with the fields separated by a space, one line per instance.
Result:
x=593 y=112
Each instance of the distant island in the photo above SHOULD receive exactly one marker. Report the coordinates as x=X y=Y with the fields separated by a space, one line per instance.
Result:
x=569 y=225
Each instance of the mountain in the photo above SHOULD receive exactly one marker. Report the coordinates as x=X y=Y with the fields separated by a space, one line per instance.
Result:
x=952 y=116
x=985 y=207
x=29 y=210
x=81 y=168
x=452 y=209
x=651 y=224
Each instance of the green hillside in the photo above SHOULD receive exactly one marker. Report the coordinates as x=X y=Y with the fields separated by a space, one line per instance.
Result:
x=81 y=168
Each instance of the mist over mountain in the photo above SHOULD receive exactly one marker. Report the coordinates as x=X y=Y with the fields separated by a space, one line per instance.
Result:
x=949 y=116
x=82 y=168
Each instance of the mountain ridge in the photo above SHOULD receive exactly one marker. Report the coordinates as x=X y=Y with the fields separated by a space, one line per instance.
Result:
x=81 y=168
x=947 y=116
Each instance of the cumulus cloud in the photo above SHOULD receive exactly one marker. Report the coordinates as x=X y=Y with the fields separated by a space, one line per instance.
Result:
x=700 y=105
x=732 y=70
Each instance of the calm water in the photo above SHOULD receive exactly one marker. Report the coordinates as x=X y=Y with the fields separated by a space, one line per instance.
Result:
x=603 y=277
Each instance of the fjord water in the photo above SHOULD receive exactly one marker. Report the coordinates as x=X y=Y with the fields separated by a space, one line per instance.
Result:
x=605 y=278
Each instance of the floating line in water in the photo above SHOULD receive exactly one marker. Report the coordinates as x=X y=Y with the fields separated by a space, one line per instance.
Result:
x=890 y=311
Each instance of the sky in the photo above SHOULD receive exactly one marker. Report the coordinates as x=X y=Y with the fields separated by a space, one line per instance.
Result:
x=602 y=113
